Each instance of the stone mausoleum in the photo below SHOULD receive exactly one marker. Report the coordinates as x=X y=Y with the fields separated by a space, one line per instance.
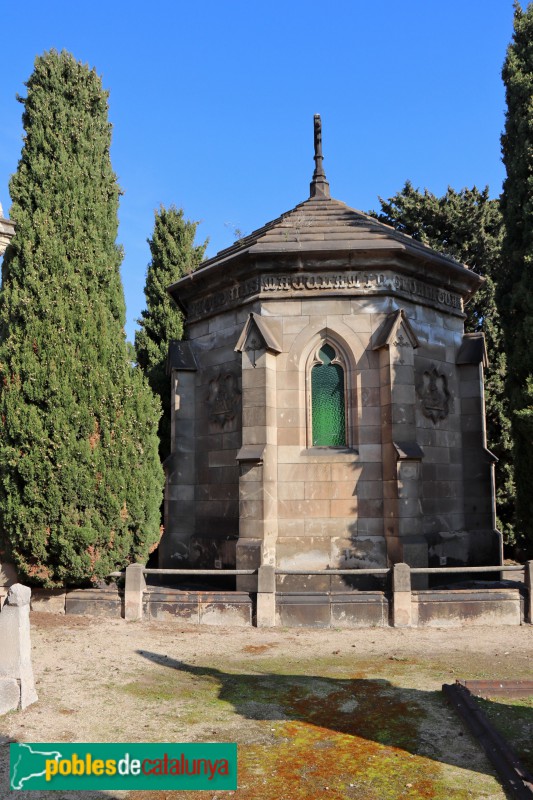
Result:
x=327 y=404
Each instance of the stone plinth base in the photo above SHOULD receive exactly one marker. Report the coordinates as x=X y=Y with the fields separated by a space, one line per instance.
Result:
x=208 y=608
x=324 y=610
x=460 y=608
x=97 y=602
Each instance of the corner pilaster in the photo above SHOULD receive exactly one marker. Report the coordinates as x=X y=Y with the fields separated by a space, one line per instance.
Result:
x=258 y=488
x=478 y=462
x=180 y=466
x=401 y=455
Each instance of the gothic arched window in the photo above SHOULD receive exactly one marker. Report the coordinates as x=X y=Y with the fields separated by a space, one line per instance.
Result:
x=328 y=402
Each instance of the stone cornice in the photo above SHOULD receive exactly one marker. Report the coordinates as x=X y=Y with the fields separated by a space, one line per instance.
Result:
x=202 y=300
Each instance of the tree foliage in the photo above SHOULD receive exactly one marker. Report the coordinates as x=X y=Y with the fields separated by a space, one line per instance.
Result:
x=516 y=286
x=81 y=482
x=467 y=225
x=174 y=255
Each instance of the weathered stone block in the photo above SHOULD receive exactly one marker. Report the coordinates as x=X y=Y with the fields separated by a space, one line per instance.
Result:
x=226 y=611
x=323 y=490
x=254 y=416
x=266 y=610
x=290 y=399
x=291 y=527
x=294 y=491
x=370 y=508
x=348 y=472
x=222 y=458
x=460 y=608
x=363 y=552
x=346 y=507
x=304 y=472
x=363 y=610
x=248 y=556
x=289 y=380
x=361 y=323
x=370 y=435
x=253 y=379
x=181 y=493
x=288 y=417
x=370 y=452
x=299 y=509
x=370 y=378
x=296 y=611
x=401 y=596
x=304 y=553
x=332 y=526
x=15 y=655
x=370 y=526
x=51 y=600
x=259 y=435
x=9 y=695
x=370 y=416
x=232 y=440
x=282 y=308
x=293 y=325
x=291 y=436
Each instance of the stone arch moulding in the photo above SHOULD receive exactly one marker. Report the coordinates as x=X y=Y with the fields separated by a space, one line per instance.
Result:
x=308 y=357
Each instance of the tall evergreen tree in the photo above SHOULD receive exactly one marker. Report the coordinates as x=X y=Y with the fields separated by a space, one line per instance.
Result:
x=516 y=297
x=80 y=478
x=467 y=225
x=174 y=255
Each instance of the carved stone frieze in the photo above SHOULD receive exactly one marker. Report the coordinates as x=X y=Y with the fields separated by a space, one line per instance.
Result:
x=311 y=283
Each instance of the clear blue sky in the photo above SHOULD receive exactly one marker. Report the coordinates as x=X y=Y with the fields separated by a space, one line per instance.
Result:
x=212 y=102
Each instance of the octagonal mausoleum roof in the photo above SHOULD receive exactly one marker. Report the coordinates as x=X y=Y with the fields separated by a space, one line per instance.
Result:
x=323 y=236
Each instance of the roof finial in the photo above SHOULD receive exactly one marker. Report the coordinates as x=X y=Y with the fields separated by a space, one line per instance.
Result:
x=319 y=184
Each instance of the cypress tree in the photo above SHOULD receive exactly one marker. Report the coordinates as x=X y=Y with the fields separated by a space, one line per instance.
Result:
x=516 y=296
x=468 y=226
x=174 y=255
x=81 y=482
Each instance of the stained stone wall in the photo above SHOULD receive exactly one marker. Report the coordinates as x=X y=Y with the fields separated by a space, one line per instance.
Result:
x=202 y=499
x=246 y=486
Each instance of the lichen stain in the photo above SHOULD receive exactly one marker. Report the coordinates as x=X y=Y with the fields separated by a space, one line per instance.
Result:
x=257 y=648
x=323 y=751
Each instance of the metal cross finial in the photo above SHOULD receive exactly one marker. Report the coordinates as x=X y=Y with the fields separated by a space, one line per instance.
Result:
x=319 y=184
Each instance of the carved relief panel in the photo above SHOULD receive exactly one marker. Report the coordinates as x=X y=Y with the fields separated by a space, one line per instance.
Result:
x=223 y=400
x=435 y=398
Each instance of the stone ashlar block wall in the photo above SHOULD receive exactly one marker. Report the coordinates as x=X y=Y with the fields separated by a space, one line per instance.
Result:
x=202 y=497
x=244 y=485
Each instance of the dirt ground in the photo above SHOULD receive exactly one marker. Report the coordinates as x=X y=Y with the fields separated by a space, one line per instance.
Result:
x=332 y=713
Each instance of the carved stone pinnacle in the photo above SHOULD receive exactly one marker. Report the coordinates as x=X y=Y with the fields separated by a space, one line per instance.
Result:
x=319 y=185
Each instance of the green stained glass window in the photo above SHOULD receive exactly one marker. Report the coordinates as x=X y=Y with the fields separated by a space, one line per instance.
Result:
x=327 y=401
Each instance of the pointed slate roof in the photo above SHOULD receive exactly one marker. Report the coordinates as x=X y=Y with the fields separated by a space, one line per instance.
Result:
x=322 y=226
